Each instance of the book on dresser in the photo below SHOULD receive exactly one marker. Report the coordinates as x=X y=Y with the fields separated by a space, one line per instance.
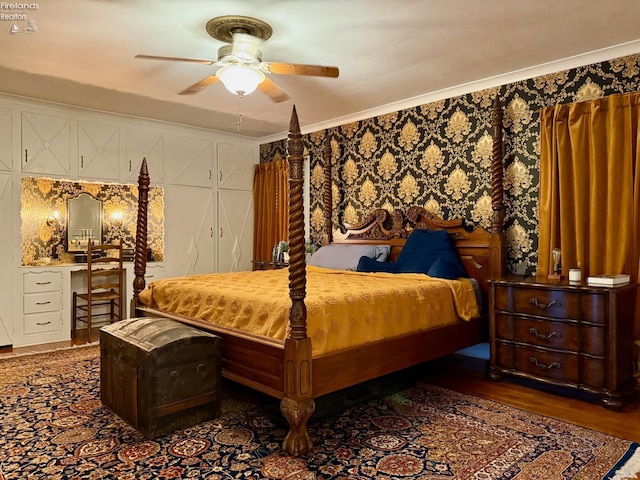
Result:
x=608 y=280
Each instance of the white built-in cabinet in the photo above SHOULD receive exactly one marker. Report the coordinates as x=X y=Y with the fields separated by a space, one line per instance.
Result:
x=46 y=144
x=144 y=143
x=99 y=150
x=207 y=178
x=235 y=206
x=6 y=249
x=6 y=220
x=191 y=202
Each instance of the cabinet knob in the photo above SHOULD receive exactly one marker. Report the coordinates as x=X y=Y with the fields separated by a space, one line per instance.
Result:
x=544 y=306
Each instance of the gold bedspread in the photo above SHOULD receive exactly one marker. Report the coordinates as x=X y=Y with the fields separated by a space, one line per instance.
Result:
x=344 y=308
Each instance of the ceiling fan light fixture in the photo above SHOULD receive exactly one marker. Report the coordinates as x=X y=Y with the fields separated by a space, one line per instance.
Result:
x=239 y=79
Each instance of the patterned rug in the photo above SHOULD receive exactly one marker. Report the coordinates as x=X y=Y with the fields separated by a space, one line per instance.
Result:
x=53 y=426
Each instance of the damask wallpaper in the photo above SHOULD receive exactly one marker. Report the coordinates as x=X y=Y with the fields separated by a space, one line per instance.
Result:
x=44 y=217
x=438 y=155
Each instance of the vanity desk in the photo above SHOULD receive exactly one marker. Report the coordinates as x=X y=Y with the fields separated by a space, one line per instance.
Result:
x=43 y=311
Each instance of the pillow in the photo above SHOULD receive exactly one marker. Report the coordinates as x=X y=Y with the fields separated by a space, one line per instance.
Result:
x=346 y=257
x=447 y=267
x=423 y=248
x=368 y=264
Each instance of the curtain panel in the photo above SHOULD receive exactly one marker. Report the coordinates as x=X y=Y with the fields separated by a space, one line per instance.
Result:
x=590 y=186
x=271 y=207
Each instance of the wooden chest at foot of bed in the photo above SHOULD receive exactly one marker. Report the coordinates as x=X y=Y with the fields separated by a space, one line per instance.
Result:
x=160 y=375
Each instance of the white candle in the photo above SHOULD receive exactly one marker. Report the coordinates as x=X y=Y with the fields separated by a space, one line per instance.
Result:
x=575 y=275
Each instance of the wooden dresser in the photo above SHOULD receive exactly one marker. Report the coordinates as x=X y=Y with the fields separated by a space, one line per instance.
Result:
x=572 y=335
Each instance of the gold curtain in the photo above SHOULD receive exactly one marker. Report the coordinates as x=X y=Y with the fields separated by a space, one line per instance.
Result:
x=271 y=207
x=590 y=186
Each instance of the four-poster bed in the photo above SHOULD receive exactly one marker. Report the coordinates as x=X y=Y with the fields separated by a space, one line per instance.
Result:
x=287 y=368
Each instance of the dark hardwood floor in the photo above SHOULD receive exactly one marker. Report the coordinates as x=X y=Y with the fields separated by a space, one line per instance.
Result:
x=466 y=375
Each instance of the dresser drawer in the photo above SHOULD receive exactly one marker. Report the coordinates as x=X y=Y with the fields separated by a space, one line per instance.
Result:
x=42 y=282
x=42 y=302
x=569 y=336
x=544 y=333
x=543 y=302
x=42 y=323
x=558 y=366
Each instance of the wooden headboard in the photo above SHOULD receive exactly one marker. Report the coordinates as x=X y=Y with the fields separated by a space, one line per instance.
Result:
x=385 y=228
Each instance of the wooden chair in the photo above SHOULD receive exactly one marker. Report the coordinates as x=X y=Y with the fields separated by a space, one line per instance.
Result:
x=105 y=288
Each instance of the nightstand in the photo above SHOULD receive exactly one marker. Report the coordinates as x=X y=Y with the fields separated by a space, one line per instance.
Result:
x=572 y=335
x=261 y=265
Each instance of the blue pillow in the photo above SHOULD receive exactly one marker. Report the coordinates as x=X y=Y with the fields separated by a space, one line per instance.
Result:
x=368 y=264
x=448 y=267
x=423 y=248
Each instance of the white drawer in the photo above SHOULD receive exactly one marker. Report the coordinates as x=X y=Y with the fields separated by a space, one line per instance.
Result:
x=42 y=282
x=42 y=323
x=42 y=302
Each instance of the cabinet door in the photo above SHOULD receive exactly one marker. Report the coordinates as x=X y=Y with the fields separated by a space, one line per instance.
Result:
x=6 y=248
x=45 y=144
x=190 y=240
x=235 y=166
x=6 y=140
x=144 y=144
x=235 y=230
x=98 y=151
x=190 y=161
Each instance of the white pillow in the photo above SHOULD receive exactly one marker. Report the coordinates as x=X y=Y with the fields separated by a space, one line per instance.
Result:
x=345 y=257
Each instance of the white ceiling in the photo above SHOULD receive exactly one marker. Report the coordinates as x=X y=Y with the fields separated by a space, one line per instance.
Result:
x=392 y=54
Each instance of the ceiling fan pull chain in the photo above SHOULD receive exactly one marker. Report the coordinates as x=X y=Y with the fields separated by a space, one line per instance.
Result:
x=239 y=113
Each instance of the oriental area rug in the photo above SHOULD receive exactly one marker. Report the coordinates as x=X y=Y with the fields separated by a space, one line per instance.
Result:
x=54 y=426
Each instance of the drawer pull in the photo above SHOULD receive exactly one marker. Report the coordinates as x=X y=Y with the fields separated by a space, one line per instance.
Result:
x=544 y=366
x=43 y=323
x=43 y=283
x=541 y=336
x=543 y=306
x=43 y=303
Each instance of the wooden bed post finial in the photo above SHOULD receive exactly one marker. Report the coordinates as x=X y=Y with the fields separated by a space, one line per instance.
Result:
x=140 y=258
x=297 y=403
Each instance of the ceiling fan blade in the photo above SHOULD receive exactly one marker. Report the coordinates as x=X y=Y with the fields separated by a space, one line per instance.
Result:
x=201 y=85
x=176 y=59
x=299 y=69
x=273 y=91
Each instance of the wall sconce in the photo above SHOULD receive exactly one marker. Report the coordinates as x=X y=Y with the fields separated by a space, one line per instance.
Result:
x=116 y=219
x=53 y=219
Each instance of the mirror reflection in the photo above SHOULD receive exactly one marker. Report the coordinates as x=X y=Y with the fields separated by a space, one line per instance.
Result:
x=84 y=215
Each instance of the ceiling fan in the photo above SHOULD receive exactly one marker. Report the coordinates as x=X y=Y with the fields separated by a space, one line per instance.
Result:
x=241 y=68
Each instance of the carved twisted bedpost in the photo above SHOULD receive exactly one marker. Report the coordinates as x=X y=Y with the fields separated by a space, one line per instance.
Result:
x=497 y=247
x=327 y=237
x=140 y=258
x=297 y=404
